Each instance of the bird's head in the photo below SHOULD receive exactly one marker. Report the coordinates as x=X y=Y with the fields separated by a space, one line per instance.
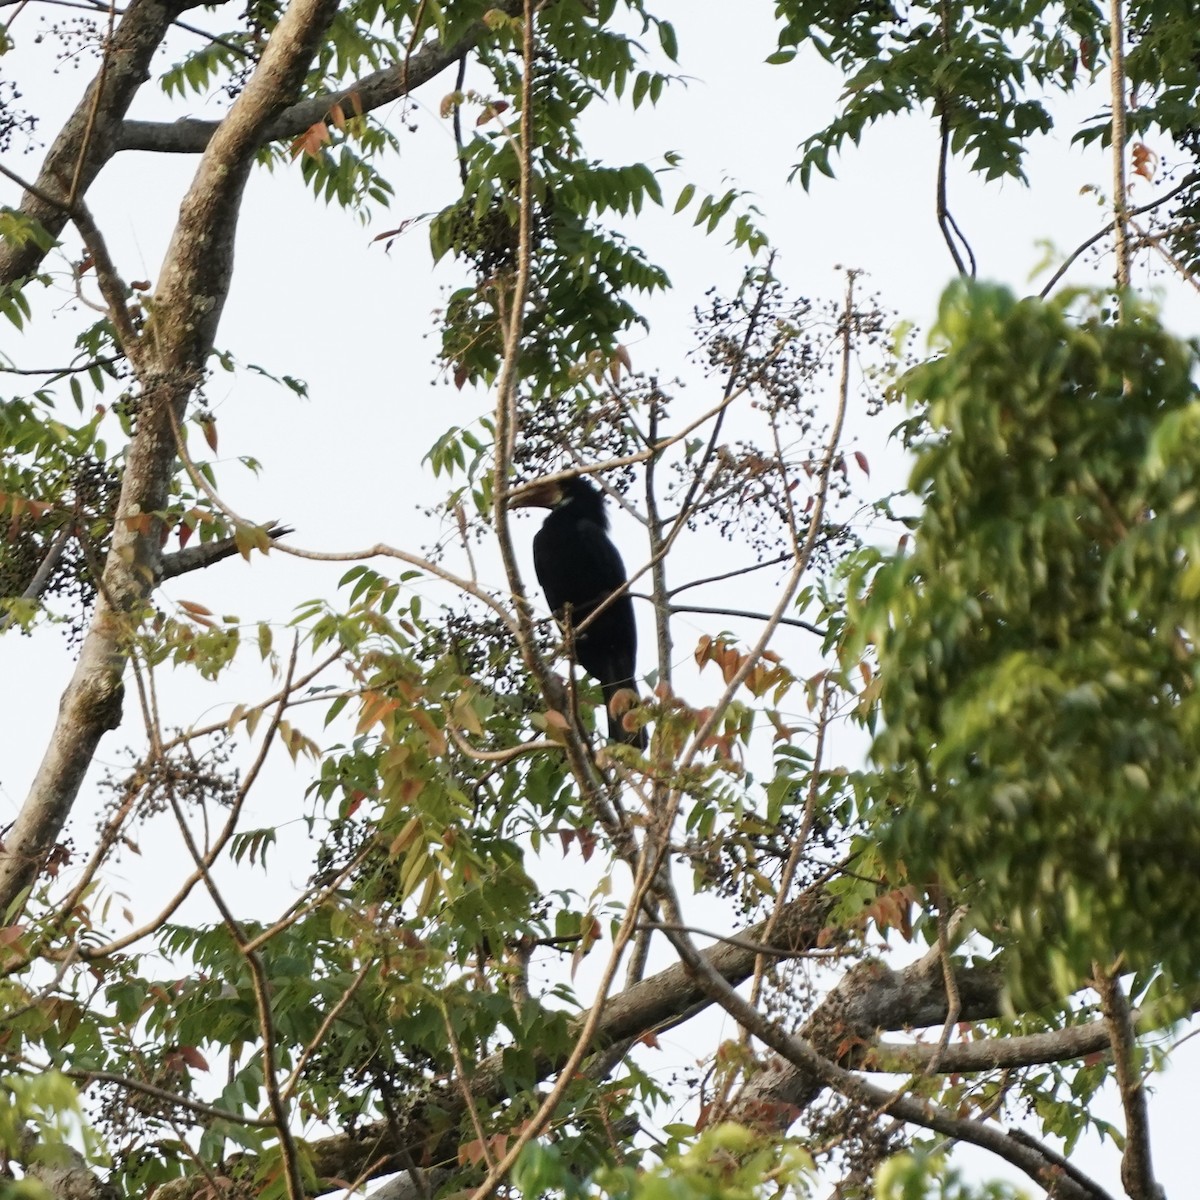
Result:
x=554 y=493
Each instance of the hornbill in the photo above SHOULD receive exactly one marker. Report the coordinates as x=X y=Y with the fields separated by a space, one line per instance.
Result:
x=578 y=568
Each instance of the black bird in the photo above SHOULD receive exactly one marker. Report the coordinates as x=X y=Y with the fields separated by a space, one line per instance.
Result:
x=579 y=567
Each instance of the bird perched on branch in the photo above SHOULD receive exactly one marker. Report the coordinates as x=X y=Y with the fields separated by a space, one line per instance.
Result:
x=579 y=568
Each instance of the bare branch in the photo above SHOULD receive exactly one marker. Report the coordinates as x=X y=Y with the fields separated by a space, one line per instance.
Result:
x=61 y=372
x=991 y=1054
x=946 y=222
x=112 y=286
x=171 y=1097
x=1085 y=245
x=86 y=141
x=45 y=569
x=1116 y=25
x=794 y=622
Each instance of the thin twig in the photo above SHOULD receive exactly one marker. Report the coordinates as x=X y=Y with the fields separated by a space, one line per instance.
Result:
x=794 y=622
x=805 y=552
x=1084 y=246
x=326 y=1024
x=759 y=947
x=61 y=372
x=112 y=287
x=226 y=832
x=1120 y=196
x=464 y=1087
x=170 y=1097
x=96 y=6
x=35 y=191
x=799 y=843
x=85 y=143
x=379 y=550
x=262 y=1000
x=734 y=574
x=498 y=756
x=1155 y=242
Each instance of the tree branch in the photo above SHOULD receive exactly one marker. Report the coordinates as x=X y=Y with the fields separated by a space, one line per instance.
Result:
x=382 y=87
x=176 y=342
x=86 y=141
x=992 y=1054
x=1137 y=1171
x=112 y=286
x=794 y=622
x=196 y=558
x=430 y=1127
x=1116 y=25
x=802 y=1054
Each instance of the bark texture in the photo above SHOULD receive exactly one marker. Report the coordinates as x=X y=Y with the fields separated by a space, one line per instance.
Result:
x=89 y=137
x=169 y=360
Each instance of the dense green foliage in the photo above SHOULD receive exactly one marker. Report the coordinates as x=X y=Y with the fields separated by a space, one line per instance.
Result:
x=1039 y=703
x=1025 y=662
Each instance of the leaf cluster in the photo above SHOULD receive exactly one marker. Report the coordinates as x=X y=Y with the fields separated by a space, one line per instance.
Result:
x=1038 y=669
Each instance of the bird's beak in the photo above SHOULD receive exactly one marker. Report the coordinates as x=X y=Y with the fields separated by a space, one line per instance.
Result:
x=538 y=494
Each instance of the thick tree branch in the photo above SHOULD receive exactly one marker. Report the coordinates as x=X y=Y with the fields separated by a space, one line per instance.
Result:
x=175 y=346
x=195 y=558
x=802 y=1054
x=382 y=87
x=430 y=1127
x=87 y=139
x=992 y=1054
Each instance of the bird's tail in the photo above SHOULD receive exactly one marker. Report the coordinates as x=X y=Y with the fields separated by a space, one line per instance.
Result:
x=619 y=698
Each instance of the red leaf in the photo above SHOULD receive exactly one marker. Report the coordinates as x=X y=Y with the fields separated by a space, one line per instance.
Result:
x=492 y=110
x=587 y=843
x=861 y=459
x=193 y=609
x=193 y=1058
x=1145 y=161
x=311 y=140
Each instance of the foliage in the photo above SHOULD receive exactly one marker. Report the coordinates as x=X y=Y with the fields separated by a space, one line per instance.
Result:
x=456 y=840
x=1057 y=476
x=927 y=1177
